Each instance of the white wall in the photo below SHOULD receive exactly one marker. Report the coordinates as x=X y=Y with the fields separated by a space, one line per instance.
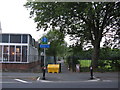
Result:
x=33 y=54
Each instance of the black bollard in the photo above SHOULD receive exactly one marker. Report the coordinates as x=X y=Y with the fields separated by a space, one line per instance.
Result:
x=43 y=73
x=60 y=68
x=91 y=73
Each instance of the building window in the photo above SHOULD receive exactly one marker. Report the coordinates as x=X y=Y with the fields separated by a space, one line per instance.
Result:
x=5 y=49
x=24 y=39
x=5 y=53
x=18 y=53
x=15 y=38
x=24 y=53
x=0 y=53
x=12 y=53
x=5 y=57
x=5 y=38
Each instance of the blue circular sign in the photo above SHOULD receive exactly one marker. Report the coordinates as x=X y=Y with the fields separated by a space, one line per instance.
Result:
x=44 y=39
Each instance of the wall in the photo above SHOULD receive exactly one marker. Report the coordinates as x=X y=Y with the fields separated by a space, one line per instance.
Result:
x=19 y=66
x=33 y=54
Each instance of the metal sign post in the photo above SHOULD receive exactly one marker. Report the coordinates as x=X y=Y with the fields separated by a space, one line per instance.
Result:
x=44 y=45
x=44 y=68
x=44 y=57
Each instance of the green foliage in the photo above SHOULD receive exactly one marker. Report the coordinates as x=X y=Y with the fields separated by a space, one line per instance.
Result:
x=88 y=21
x=105 y=53
x=85 y=63
x=109 y=65
x=109 y=54
x=103 y=65
x=56 y=40
x=85 y=20
x=109 y=60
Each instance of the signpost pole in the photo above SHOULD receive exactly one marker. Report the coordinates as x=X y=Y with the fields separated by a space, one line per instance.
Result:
x=44 y=66
x=44 y=45
x=44 y=57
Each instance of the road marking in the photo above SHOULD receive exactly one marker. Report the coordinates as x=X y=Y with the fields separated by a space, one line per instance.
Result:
x=38 y=78
x=107 y=81
x=22 y=81
x=45 y=81
x=64 y=81
x=95 y=80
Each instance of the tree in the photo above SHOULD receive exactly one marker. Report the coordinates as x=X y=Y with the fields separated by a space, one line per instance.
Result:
x=87 y=21
x=57 y=43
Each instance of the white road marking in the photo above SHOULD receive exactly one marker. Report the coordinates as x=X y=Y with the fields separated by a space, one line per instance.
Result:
x=22 y=81
x=94 y=80
x=107 y=81
x=55 y=81
x=38 y=78
x=45 y=81
x=66 y=81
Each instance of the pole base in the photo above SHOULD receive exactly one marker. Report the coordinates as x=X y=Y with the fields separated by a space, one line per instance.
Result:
x=43 y=78
x=91 y=78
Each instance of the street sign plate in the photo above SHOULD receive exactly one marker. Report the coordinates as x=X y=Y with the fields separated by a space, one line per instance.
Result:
x=44 y=46
x=44 y=39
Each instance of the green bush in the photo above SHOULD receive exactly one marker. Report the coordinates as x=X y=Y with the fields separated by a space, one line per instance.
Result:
x=109 y=65
x=103 y=65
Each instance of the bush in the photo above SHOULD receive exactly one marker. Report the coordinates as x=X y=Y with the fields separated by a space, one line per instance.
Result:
x=109 y=65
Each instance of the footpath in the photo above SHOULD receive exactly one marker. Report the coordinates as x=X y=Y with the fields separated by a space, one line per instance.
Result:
x=67 y=75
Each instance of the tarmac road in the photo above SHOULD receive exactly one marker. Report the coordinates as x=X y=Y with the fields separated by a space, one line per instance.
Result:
x=62 y=84
x=66 y=79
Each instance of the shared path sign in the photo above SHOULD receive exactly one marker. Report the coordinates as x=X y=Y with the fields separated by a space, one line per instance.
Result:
x=44 y=40
x=44 y=46
x=44 y=43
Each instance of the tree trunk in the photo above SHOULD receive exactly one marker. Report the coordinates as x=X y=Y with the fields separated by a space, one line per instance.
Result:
x=95 y=54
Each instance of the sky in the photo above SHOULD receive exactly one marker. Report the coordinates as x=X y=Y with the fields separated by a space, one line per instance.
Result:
x=14 y=18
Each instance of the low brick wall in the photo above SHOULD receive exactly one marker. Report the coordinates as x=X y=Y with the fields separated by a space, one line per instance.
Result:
x=19 y=66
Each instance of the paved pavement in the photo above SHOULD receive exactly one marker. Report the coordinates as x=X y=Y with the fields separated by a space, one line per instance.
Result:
x=66 y=79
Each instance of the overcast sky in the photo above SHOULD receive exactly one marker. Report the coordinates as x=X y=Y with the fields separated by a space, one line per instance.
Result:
x=14 y=18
